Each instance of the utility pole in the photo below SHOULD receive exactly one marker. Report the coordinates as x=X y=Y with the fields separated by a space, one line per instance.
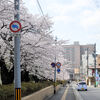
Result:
x=55 y=67
x=0 y=77
x=87 y=61
x=87 y=65
x=63 y=75
x=95 y=63
x=17 y=71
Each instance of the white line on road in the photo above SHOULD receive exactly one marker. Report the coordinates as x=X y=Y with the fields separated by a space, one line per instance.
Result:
x=77 y=95
x=65 y=93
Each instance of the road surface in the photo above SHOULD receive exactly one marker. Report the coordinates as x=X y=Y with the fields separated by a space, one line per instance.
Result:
x=70 y=94
x=91 y=94
x=65 y=93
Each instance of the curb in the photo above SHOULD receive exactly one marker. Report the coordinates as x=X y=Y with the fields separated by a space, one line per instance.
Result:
x=42 y=94
x=77 y=95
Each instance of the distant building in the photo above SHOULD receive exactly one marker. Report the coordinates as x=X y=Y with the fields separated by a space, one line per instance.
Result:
x=73 y=54
x=86 y=66
x=98 y=68
x=98 y=61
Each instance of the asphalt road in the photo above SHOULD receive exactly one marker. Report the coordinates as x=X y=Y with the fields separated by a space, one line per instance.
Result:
x=70 y=94
x=59 y=94
x=66 y=92
x=91 y=94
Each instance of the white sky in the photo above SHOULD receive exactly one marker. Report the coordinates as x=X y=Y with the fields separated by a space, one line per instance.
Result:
x=74 y=20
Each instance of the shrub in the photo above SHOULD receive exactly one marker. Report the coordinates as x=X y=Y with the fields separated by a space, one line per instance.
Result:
x=7 y=91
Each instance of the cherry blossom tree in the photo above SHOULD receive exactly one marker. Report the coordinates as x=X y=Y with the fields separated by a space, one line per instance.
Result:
x=37 y=43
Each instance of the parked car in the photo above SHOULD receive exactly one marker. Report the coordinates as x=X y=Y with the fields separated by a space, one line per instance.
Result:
x=82 y=86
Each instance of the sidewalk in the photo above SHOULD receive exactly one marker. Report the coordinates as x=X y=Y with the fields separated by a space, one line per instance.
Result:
x=93 y=86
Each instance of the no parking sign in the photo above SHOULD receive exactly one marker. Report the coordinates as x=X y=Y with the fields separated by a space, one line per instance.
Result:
x=15 y=26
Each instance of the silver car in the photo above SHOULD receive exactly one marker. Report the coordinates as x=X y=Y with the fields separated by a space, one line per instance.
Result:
x=82 y=86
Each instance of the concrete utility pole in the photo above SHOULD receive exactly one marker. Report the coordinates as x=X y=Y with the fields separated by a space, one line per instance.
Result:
x=55 y=67
x=17 y=71
x=87 y=65
x=95 y=62
x=87 y=61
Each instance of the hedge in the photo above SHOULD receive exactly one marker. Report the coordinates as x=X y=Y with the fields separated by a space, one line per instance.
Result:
x=7 y=91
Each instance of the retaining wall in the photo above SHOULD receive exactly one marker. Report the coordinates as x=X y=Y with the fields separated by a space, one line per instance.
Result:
x=42 y=94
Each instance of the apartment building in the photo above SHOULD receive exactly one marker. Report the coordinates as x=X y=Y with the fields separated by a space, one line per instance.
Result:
x=73 y=54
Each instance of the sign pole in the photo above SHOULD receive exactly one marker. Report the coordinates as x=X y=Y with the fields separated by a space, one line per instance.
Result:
x=95 y=63
x=55 y=69
x=17 y=71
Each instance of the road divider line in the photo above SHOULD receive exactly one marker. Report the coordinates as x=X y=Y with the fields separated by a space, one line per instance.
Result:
x=65 y=93
x=77 y=95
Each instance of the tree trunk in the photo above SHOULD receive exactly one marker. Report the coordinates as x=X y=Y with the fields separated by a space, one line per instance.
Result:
x=0 y=77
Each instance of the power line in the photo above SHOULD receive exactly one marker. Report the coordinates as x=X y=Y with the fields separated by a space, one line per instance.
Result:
x=41 y=10
x=40 y=7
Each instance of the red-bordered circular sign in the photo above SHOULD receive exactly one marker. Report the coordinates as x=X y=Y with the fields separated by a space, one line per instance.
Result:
x=58 y=64
x=15 y=26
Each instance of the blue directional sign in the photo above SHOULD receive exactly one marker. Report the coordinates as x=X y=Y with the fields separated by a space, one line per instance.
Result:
x=53 y=64
x=58 y=70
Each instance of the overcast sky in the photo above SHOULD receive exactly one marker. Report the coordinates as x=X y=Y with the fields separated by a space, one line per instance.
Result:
x=74 y=20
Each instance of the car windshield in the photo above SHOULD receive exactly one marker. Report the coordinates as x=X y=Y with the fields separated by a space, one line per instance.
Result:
x=82 y=83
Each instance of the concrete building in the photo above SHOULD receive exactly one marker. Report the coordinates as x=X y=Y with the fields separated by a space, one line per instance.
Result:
x=98 y=69
x=73 y=54
x=86 y=68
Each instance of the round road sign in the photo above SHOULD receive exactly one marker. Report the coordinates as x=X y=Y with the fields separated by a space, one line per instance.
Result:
x=53 y=64
x=58 y=70
x=15 y=26
x=58 y=64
